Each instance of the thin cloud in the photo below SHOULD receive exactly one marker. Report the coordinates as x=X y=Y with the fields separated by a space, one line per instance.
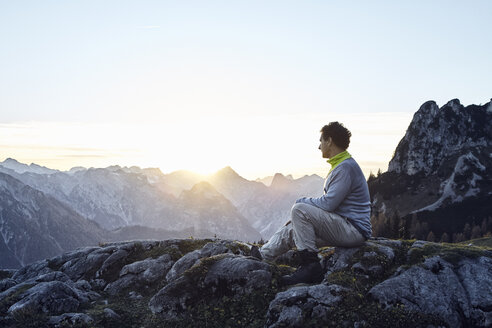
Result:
x=89 y=156
x=149 y=26
x=42 y=147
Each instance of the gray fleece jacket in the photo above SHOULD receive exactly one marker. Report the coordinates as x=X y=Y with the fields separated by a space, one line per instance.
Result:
x=346 y=194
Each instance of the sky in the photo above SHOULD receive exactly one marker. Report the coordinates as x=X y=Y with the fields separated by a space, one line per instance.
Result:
x=200 y=85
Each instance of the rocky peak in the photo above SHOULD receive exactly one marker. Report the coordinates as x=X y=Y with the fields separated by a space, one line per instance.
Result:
x=19 y=167
x=204 y=190
x=429 y=107
x=76 y=169
x=440 y=176
x=454 y=104
x=114 y=168
x=11 y=161
x=227 y=173
x=280 y=181
x=436 y=134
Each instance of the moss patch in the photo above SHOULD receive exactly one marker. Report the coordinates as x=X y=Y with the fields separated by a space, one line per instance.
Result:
x=452 y=253
x=481 y=242
x=248 y=310
x=198 y=271
x=356 y=308
x=284 y=269
x=13 y=298
x=30 y=318
x=239 y=248
x=54 y=265
x=134 y=313
x=188 y=245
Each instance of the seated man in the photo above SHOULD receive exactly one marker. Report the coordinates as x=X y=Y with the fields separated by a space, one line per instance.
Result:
x=341 y=217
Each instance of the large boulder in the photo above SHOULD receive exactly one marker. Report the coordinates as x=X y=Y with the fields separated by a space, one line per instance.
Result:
x=6 y=284
x=457 y=295
x=210 y=249
x=48 y=265
x=141 y=274
x=476 y=277
x=220 y=275
x=86 y=266
x=296 y=305
x=54 y=297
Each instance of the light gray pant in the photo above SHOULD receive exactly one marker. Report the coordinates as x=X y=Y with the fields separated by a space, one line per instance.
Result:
x=310 y=228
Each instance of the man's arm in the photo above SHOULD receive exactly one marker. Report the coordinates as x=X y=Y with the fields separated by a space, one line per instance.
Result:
x=338 y=190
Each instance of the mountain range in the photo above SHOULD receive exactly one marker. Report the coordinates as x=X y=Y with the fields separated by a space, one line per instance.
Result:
x=438 y=186
x=124 y=203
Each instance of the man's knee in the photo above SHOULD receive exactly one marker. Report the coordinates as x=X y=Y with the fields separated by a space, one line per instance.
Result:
x=299 y=212
x=300 y=208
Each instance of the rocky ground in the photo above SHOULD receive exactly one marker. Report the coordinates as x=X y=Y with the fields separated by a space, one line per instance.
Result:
x=215 y=283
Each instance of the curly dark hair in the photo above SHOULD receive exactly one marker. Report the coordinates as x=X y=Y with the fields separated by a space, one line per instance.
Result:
x=338 y=133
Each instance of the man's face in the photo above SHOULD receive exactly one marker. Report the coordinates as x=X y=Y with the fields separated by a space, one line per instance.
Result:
x=324 y=146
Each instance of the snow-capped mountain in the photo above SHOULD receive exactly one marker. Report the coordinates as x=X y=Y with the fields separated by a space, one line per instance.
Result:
x=444 y=158
x=111 y=197
x=35 y=226
x=18 y=167
x=117 y=197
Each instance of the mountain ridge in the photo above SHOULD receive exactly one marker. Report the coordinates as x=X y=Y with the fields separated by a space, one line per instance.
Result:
x=443 y=161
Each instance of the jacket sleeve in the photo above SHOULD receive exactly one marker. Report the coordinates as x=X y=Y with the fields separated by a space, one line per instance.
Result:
x=337 y=190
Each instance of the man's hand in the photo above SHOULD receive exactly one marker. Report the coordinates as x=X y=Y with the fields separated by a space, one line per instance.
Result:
x=301 y=200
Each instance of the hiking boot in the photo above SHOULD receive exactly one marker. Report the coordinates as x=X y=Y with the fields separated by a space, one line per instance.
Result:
x=309 y=272
x=255 y=252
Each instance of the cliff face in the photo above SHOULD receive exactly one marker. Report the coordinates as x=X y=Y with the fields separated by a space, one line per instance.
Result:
x=437 y=135
x=443 y=159
x=215 y=283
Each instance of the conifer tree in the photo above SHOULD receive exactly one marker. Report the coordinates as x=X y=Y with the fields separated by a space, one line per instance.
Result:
x=445 y=238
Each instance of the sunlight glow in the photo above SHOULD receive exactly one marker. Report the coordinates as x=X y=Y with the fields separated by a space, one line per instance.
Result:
x=253 y=146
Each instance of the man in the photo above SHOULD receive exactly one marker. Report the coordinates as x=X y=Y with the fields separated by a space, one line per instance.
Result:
x=341 y=217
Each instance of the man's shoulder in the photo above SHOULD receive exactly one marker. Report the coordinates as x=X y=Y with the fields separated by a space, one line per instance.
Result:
x=342 y=169
x=348 y=167
x=349 y=163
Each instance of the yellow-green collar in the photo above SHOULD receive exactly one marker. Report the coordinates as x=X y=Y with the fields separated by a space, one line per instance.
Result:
x=337 y=159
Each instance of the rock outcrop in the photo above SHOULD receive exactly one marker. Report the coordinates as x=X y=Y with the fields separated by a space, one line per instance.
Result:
x=444 y=158
x=186 y=282
x=439 y=182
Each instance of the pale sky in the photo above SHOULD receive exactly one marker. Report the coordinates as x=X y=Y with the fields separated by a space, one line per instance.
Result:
x=200 y=85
